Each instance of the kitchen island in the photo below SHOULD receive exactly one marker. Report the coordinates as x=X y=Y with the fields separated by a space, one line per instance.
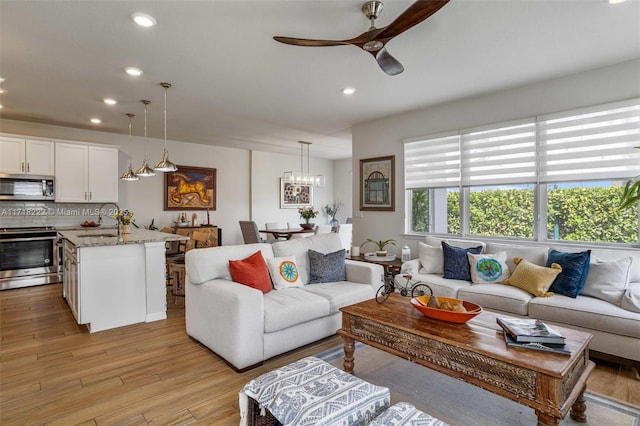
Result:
x=114 y=280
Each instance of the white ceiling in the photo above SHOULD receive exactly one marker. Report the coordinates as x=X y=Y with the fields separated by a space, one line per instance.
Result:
x=233 y=85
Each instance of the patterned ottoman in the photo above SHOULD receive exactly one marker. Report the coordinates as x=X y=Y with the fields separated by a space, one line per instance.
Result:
x=311 y=392
x=404 y=413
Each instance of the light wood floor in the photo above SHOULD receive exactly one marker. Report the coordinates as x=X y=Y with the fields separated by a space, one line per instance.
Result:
x=53 y=371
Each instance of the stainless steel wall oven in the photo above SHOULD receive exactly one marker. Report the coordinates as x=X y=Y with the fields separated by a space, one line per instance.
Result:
x=28 y=256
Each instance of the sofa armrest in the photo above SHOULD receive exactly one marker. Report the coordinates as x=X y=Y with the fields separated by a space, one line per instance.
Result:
x=364 y=273
x=410 y=267
x=228 y=318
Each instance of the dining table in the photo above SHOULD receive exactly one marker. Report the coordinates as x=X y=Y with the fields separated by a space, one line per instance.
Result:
x=286 y=233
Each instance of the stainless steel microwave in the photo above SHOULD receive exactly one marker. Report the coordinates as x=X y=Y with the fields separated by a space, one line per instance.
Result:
x=26 y=187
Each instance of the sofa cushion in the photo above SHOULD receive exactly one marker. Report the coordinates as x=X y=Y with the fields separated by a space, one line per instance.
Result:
x=586 y=312
x=284 y=309
x=488 y=268
x=341 y=293
x=431 y=259
x=284 y=272
x=533 y=278
x=299 y=247
x=575 y=267
x=326 y=268
x=210 y=263
x=497 y=297
x=607 y=280
x=631 y=298
x=534 y=254
x=251 y=271
x=456 y=263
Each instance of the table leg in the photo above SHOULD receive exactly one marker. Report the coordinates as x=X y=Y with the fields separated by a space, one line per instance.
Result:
x=349 y=349
x=545 y=419
x=579 y=408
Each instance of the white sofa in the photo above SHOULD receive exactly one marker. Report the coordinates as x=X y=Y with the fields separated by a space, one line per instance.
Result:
x=616 y=331
x=245 y=326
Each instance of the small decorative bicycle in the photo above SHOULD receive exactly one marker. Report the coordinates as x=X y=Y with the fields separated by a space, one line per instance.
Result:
x=414 y=289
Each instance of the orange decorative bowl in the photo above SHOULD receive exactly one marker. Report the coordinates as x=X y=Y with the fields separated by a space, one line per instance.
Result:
x=420 y=303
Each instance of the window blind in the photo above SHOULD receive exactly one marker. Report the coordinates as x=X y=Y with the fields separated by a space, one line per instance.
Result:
x=591 y=143
x=432 y=163
x=499 y=154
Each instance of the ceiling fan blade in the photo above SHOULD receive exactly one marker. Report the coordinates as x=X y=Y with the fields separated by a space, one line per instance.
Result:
x=416 y=13
x=308 y=42
x=388 y=63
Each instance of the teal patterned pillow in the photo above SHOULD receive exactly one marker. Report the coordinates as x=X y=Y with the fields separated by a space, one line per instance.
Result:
x=456 y=263
x=327 y=268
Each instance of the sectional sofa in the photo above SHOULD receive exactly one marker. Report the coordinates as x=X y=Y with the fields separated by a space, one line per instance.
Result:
x=608 y=306
x=247 y=325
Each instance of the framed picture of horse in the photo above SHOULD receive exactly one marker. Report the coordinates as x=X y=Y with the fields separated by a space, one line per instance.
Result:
x=190 y=188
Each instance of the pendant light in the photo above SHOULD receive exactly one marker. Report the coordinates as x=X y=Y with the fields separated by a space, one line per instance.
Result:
x=145 y=170
x=129 y=175
x=165 y=165
x=303 y=177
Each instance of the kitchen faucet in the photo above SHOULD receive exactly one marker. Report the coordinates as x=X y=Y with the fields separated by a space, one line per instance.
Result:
x=117 y=220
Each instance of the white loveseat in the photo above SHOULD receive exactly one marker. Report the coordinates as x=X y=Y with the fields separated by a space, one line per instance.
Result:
x=615 y=330
x=245 y=326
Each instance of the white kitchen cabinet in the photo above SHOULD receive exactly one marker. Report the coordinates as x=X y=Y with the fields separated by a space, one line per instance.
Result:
x=86 y=173
x=26 y=156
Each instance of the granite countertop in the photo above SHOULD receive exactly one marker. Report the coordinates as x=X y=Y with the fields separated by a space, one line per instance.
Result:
x=93 y=237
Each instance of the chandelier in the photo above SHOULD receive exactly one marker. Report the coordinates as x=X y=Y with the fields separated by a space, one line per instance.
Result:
x=303 y=177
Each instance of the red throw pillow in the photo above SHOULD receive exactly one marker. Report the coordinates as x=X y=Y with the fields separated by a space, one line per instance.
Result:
x=252 y=272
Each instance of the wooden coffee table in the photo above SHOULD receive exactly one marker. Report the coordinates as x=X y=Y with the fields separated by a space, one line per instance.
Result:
x=475 y=352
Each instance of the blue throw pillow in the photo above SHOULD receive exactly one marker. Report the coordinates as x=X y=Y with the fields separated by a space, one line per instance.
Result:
x=456 y=262
x=575 y=267
x=327 y=268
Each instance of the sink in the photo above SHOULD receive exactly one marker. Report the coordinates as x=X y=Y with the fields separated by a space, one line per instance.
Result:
x=96 y=235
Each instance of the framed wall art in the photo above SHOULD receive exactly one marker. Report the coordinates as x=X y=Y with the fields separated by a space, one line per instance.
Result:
x=377 y=183
x=190 y=188
x=293 y=196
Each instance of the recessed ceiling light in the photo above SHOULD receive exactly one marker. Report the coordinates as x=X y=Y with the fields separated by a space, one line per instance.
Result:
x=348 y=91
x=1 y=80
x=615 y=1
x=0 y=106
x=96 y=121
x=2 y=91
x=110 y=101
x=143 y=19
x=133 y=71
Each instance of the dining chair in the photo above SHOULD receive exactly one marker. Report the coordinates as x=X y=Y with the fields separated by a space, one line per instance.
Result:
x=344 y=231
x=275 y=225
x=177 y=270
x=250 y=232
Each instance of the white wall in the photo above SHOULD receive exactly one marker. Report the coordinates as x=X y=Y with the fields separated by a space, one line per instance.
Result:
x=248 y=182
x=343 y=176
x=385 y=136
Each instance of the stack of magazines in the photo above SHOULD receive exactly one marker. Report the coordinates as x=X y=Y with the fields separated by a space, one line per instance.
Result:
x=532 y=334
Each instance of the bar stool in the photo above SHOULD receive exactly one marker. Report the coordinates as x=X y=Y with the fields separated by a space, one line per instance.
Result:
x=177 y=270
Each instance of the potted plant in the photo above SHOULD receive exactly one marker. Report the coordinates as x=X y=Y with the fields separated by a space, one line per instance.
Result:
x=630 y=194
x=332 y=210
x=125 y=217
x=380 y=244
x=307 y=213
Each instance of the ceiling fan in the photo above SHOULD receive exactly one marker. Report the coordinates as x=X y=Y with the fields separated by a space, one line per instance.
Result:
x=374 y=39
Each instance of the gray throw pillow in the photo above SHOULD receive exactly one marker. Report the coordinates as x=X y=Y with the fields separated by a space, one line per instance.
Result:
x=607 y=280
x=327 y=268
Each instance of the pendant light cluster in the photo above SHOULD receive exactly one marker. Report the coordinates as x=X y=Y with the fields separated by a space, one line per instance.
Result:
x=164 y=165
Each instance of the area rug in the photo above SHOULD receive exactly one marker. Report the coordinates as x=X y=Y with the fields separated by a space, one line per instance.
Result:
x=459 y=403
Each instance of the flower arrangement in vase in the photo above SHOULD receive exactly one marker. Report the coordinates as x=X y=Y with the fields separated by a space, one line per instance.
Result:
x=333 y=211
x=125 y=217
x=307 y=213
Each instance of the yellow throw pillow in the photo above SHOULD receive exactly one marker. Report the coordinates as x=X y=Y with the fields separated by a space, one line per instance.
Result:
x=533 y=278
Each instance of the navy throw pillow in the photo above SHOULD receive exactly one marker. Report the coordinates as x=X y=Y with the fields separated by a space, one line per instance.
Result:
x=327 y=268
x=575 y=267
x=456 y=262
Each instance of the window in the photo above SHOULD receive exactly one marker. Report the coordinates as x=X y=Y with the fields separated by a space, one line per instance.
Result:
x=555 y=177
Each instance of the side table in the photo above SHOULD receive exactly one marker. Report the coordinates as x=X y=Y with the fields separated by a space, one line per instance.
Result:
x=391 y=267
